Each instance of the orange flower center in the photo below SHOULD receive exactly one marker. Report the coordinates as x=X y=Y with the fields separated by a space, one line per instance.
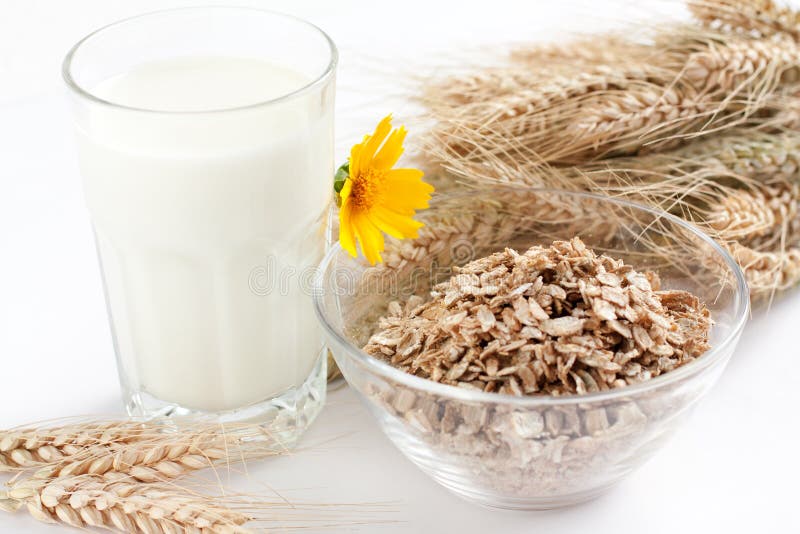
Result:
x=366 y=189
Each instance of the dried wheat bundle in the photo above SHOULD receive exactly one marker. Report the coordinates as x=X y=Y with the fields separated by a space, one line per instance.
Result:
x=121 y=475
x=635 y=119
x=116 y=502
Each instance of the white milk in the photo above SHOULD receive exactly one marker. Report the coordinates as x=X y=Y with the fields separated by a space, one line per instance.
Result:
x=208 y=226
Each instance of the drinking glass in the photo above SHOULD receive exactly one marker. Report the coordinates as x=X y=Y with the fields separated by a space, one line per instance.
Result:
x=205 y=141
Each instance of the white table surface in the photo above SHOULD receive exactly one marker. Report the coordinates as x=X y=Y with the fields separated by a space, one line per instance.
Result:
x=733 y=468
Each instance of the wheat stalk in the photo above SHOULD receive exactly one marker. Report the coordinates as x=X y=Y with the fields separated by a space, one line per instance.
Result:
x=761 y=16
x=115 y=502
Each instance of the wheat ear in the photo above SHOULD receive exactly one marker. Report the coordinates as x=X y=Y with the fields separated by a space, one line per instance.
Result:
x=114 y=502
x=764 y=157
x=710 y=82
x=764 y=17
x=150 y=462
x=767 y=272
x=145 y=451
x=513 y=90
x=739 y=158
x=720 y=86
x=750 y=213
x=32 y=447
x=583 y=53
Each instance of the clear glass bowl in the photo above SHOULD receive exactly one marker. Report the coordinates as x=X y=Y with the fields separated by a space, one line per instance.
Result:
x=532 y=452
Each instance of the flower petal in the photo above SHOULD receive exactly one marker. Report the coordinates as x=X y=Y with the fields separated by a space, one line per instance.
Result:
x=346 y=236
x=370 y=146
x=355 y=155
x=395 y=224
x=404 y=191
x=344 y=194
x=369 y=237
x=391 y=150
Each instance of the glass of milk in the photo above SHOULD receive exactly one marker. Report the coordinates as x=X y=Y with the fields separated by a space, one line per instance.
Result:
x=205 y=139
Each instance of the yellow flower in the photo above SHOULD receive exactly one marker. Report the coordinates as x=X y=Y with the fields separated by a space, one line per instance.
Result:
x=377 y=199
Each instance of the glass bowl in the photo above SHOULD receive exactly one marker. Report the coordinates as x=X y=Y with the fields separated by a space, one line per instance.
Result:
x=533 y=452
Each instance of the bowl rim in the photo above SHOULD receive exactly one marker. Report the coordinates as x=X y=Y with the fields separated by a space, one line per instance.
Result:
x=713 y=356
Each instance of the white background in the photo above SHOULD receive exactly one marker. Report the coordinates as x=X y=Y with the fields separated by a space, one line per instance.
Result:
x=734 y=468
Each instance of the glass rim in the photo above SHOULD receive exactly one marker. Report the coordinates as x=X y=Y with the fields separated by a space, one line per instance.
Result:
x=78 y=89
x=696 y=366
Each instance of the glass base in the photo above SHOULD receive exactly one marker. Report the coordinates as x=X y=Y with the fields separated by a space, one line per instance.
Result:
x=284 y=417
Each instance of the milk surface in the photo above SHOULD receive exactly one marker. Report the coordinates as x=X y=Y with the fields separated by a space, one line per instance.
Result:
x=208 y=206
